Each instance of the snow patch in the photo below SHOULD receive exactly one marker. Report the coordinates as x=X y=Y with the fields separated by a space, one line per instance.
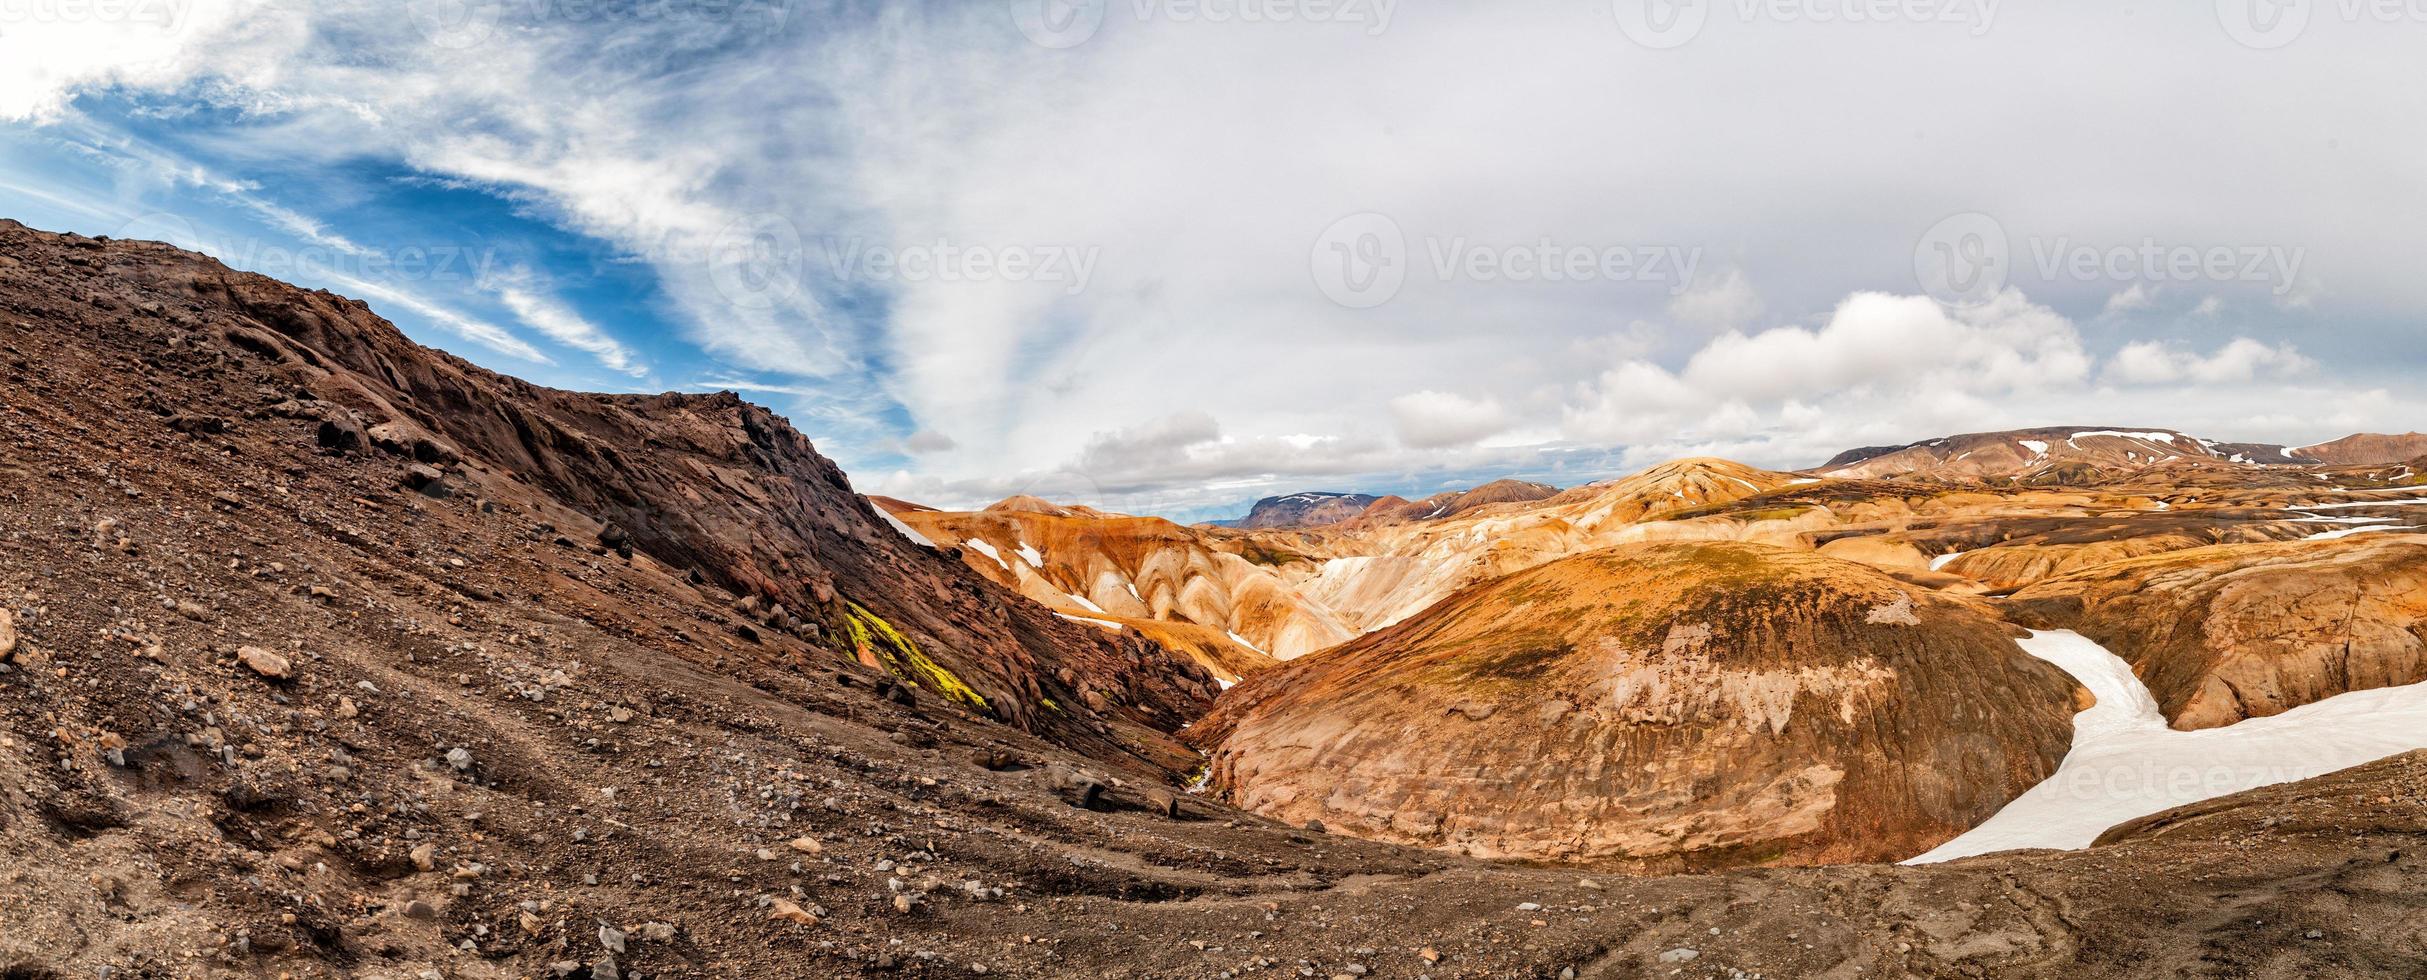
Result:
x=906 y=530
x=1106 y=623
x=2127 y=763
x=980 y=546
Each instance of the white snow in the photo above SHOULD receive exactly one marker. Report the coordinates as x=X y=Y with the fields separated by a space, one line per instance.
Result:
x=2036 y=447
x=2127 y=763
x=2346 y=505
x=1242 y=641
x=1805 y=482
x=1941 y=562
x=2165 y=437
x=980 y=546
x=1029 y=554
x=907 y=531
x=2349 y=531
x=1084 y=602
x=1107 y=624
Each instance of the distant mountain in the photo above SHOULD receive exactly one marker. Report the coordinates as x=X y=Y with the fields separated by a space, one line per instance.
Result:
x=2062 y=454
x=1310 y=509
x=2365 y=449
x=1455 y=502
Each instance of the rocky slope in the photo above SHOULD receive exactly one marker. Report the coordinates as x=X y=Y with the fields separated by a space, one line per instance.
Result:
x=706 y=488
x=1656 y=706
x=2227 y=633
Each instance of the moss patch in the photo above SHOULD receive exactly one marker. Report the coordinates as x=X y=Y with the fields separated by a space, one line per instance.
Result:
x=874 y=639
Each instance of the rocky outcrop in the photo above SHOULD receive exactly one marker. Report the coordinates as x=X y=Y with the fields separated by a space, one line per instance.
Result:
x=2227 y=633
x=1656 y=706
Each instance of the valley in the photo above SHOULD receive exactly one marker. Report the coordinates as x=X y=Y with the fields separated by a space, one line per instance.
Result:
x=325 y=654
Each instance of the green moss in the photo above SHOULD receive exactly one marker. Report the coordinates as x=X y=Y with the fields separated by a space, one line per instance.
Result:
x=872 y=636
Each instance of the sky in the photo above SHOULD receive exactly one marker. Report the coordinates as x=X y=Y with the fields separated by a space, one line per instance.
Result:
x=1170 y=256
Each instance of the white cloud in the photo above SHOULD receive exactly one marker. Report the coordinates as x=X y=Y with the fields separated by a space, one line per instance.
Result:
x=2243 y=359
x=2138 y=297
x=681 y=140
x=1726 y=301
x=1438 y=419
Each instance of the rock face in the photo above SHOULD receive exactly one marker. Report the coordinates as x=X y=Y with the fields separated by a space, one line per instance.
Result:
x=2232 y=632
x=1656 y=706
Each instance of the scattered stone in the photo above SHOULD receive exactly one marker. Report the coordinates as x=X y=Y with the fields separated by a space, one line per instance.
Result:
x=1680 y=955
x=1163 y=802
x=611 y=938
x=8 y=636
x=418 y=909
x=460 y=758
x=808 y=845
x=783 y=910
x=425 y=857
x=425 y=479
x=265 y=663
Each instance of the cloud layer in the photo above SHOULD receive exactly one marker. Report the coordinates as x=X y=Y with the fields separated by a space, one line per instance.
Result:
x=973 y=264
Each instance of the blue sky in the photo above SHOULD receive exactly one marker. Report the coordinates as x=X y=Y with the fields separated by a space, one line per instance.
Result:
x=1139 y=256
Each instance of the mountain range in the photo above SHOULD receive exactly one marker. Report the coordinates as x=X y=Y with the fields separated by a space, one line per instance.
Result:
x=323 y=653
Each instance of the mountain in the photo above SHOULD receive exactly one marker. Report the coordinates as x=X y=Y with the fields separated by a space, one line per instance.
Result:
x=2059 y=455
x=1455 y=502
x=1655 y=706
x=2365 y=449
x=1310 y=509
x=2076 y=455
